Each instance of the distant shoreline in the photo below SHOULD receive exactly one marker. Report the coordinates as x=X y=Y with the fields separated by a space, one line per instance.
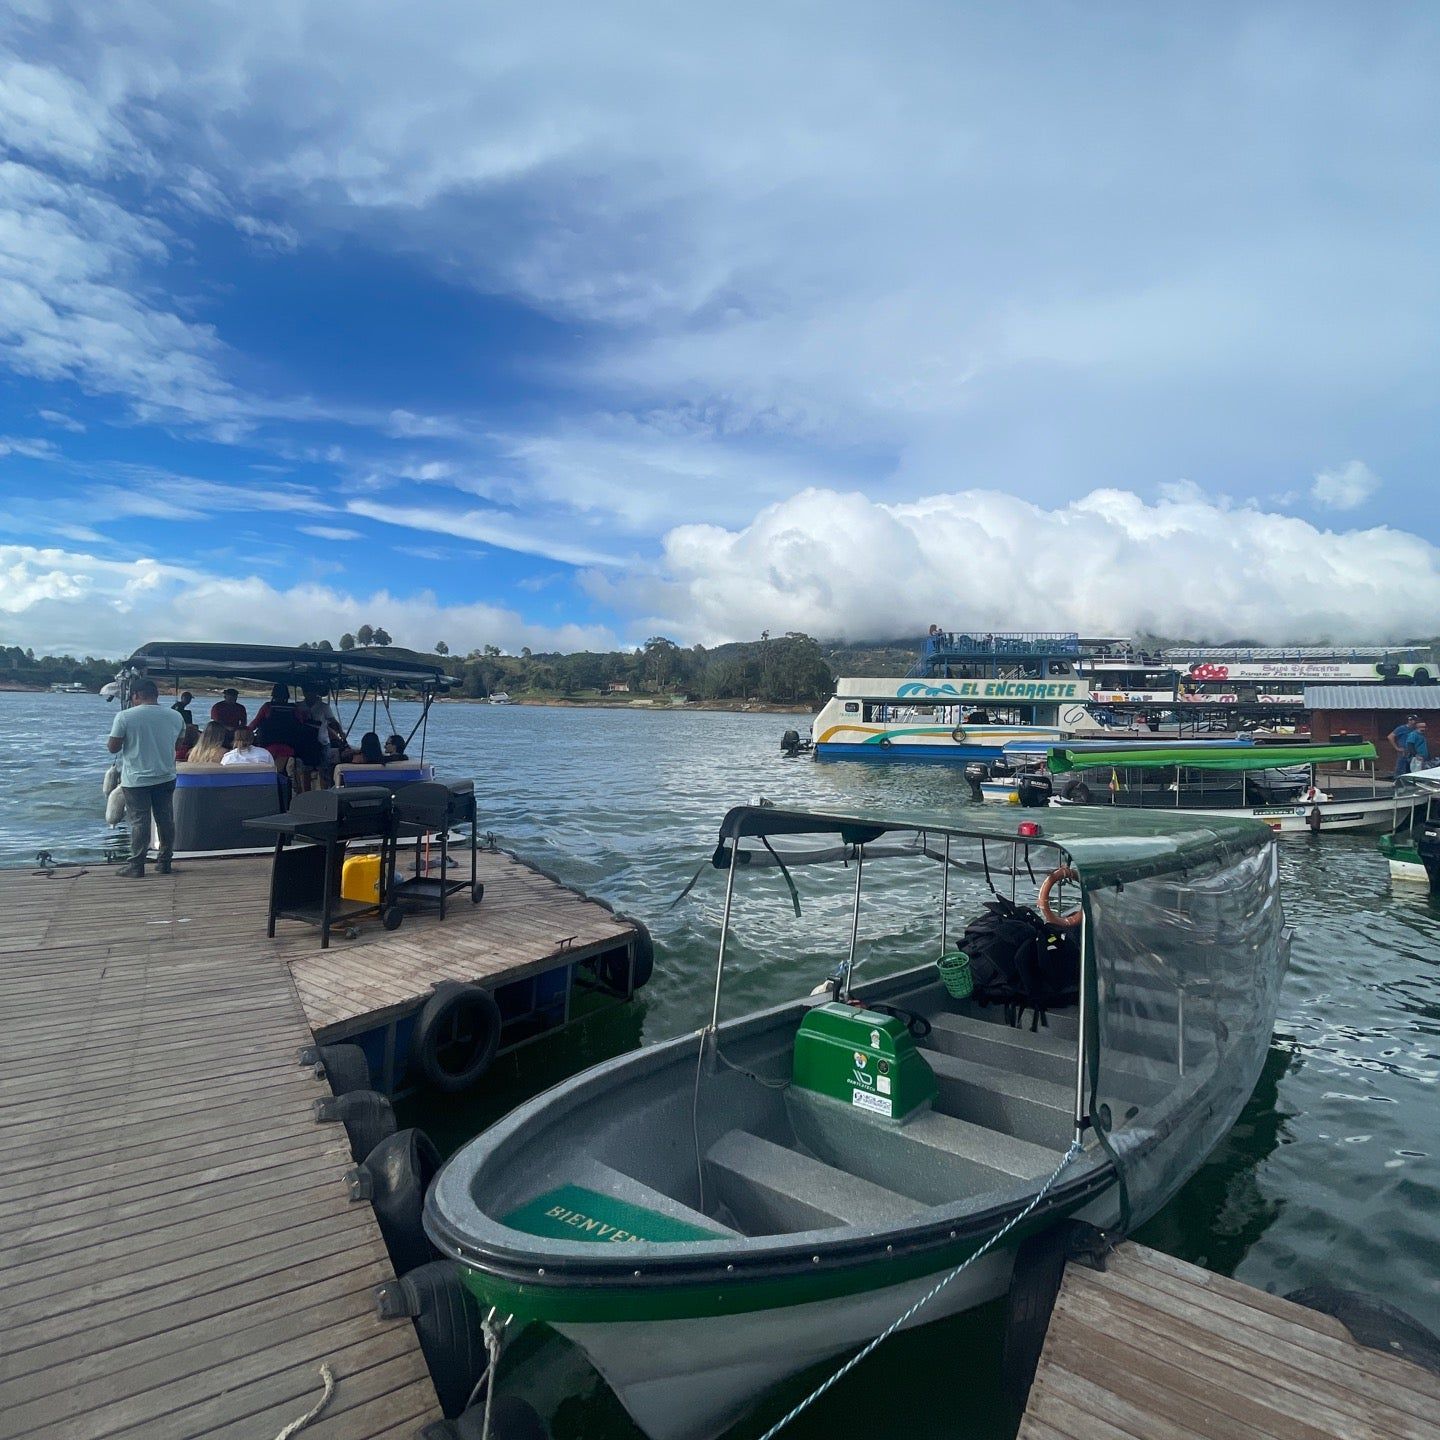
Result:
x=734 y=707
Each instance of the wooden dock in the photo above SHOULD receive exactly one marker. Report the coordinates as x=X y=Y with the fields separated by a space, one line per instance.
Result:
x=177 y=1253
x=1156 y=1349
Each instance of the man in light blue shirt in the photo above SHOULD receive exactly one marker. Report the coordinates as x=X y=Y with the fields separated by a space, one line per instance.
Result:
x=144 y=737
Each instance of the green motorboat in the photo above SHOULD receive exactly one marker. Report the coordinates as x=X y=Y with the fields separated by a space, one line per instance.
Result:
x=708 y=1216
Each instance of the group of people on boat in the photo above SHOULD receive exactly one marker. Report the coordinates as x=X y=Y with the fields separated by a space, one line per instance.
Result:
x=304 y=739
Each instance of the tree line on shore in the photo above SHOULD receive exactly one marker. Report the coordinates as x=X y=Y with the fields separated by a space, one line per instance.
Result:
x=787 y=669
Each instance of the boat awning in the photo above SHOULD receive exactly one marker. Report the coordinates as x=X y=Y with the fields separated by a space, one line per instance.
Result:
x=274 y=663
x=1107 y=845
x=1080 y=747
x=1251 y=757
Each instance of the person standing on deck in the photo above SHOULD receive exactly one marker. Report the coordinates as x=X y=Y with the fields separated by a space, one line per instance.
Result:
x=1399 y=739
x=144 y=738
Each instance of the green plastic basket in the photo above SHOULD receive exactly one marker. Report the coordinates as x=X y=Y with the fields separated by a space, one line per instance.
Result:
x=954 y=969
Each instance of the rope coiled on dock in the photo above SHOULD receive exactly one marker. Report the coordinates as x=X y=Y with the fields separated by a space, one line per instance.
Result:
x=295 y=1426
x=1074 y=1150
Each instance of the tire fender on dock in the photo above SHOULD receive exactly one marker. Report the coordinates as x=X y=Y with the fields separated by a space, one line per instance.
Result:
x=449 y=1322
x=446 y=1063
x=394 y=1177
x=615 y=968
x=366 y=1115
x=344 y=1066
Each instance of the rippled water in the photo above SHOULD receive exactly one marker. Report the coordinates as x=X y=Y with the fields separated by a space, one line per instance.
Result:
x=1330 y=1177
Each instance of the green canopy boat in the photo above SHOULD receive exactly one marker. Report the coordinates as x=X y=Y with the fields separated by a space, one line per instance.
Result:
x=707 y=1216
x=1279 y=784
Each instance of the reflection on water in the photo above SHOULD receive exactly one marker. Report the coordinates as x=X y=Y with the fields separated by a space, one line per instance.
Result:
x=1330 y=1175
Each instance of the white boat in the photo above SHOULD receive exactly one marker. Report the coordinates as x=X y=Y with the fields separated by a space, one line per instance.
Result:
x=1220 y=780
x=73 y=687
x=1402 y=850
x=500 y=698
x=966 y=698
x=707 y=1217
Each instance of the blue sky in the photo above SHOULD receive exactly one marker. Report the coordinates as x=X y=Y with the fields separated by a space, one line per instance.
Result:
x=570 y=325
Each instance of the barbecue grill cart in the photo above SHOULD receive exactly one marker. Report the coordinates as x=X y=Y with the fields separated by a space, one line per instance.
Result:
x=305 y=876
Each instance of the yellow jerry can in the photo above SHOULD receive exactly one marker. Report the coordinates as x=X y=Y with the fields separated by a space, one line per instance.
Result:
x=360 y=879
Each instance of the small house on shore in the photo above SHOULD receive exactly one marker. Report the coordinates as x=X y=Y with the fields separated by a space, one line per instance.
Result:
x=1366 y=712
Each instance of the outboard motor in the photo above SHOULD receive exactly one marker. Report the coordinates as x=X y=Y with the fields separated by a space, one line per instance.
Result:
x=1427 y=842
x=975 y=772
x=1034 y=790
x=790 y=743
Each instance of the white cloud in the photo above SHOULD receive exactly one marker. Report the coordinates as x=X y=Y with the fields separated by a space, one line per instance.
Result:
x=493 y=527
x=1346 y=488
x=841 y=564
x=28 y=447
x=75 y=601
x=329 y=532
x=62 y=421
x=73 y=303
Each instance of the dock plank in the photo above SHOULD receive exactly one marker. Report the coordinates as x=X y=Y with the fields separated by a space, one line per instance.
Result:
x=1155 y=1347
x=176 y=1247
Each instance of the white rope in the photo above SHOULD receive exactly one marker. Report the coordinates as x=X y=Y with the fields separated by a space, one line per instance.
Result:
x=492 y=1334
x=924 y=1300
x=295 y=1426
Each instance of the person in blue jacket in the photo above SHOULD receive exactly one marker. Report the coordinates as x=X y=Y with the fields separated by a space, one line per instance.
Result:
x=1399 y=739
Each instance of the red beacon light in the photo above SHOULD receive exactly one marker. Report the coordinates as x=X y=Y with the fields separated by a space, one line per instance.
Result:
x=1027 y=829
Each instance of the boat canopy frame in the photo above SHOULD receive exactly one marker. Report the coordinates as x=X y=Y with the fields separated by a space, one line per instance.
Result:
x=1084 y=847
x=374 y=677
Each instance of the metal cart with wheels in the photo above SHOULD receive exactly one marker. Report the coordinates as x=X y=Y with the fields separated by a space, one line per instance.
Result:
x=436 y=808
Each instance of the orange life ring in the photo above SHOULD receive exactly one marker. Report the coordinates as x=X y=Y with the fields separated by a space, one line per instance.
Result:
x=1054 y=878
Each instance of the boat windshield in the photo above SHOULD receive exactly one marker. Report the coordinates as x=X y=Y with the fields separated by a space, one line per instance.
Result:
x=1183 y=969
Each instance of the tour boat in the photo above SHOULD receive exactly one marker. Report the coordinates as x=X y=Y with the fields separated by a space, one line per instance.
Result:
x=966 y=697
x=709 y=1216
x=212 y=802
x=1280 y=785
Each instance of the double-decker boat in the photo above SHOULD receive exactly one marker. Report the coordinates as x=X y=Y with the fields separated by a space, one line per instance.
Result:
x=966 y=697
x=711 y=1215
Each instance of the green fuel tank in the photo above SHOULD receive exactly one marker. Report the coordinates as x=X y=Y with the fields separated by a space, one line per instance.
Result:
x=864 y=1059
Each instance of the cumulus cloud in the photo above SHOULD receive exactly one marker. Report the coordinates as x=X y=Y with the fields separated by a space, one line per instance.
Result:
x=838 y=564
x=1346 y=488
x=64 y=600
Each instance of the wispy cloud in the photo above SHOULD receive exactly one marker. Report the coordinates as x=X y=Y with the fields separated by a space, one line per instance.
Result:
x=493 y=527
x=329 y=532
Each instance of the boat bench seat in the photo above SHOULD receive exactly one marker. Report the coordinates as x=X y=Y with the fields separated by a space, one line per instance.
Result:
x=771 y=1189
x=1039 y=1111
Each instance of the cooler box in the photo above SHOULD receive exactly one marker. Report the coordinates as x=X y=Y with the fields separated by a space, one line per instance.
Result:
x=360 y=879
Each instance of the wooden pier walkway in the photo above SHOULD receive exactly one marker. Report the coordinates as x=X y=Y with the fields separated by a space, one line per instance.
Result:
x=177 y=1253
x=1156 y=1349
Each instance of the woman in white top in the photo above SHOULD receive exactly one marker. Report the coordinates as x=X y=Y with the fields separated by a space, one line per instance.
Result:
x=246 y=751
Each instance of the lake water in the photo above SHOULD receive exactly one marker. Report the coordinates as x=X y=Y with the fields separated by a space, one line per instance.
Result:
x=1329 y=1178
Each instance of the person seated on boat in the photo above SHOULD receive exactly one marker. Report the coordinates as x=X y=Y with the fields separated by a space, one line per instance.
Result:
x=246 y=752
x=1399 y=739
x=212 y=747
x=189 y=739
x=978 y=717
x=1417 y=747
x=229 y=711
x=371 y=752
x=395 y=748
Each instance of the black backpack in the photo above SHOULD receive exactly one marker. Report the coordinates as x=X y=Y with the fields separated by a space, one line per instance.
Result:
x=1020 y=962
